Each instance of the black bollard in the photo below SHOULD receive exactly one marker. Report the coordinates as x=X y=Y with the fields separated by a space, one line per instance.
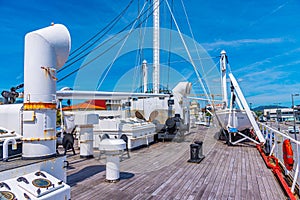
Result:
x=267 y=148
x=200 y=155
x=194 y=152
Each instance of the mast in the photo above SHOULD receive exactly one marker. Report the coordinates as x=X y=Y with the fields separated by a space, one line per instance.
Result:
x=145 y=75
x=223 y=63
x=156 y=46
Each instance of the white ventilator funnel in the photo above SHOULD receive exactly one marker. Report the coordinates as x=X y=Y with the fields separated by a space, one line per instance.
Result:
x=46 y=50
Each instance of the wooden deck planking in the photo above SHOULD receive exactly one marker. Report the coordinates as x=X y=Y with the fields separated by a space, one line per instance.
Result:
x=244 y=171
x=265 y=177
x=234 y=187
x=249 y=173
x=262 y=183
x=200 y=186
x=226 y=173
x=198 y=173
x=210 y=181
x=224 y=177
x=198 y=178
x=229 y=173
x=253 y=177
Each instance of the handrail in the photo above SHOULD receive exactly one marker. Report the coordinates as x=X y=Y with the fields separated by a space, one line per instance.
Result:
x=278 y=132
x=276 y=138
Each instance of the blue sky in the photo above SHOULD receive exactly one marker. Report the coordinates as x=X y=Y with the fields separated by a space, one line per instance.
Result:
x=261 y=38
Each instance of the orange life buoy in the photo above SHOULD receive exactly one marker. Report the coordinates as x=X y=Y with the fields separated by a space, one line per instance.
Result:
x=288 y=154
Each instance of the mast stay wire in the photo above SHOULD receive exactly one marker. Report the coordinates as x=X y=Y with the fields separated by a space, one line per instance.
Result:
x=140 y=55
x=143 y=36
x=100 y=45
x=192 y=34
x=109 y=26
x=169 y=53
x=116 y=19
x=137 y=20
x=102 y=53
x=126 y=37
x=85 y=43
x=188 y=53
x=120 y=49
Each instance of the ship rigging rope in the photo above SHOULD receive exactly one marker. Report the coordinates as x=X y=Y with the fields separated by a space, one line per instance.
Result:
x=188 y=53
x=120 y=49
x=140 y=54
x=109 y=26
x=113 y=45
x=170 y=42
x=192 y=34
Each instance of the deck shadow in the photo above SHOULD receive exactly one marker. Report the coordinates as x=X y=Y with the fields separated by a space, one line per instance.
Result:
x=126 y=175
x=84 y=173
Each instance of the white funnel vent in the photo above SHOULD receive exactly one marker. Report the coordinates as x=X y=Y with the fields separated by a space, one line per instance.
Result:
x=46 y=50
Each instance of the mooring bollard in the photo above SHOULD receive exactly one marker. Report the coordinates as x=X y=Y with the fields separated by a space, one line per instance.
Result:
x=200 y=143
x=196 y=152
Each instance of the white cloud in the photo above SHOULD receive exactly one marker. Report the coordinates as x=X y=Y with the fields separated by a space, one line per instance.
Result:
x=271 y=60
x=235 y=43
x=261 y=94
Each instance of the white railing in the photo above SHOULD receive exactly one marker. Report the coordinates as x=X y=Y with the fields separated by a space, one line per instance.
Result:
x=275 y=139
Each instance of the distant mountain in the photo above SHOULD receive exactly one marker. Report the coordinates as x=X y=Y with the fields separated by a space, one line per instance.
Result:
x=261 y=108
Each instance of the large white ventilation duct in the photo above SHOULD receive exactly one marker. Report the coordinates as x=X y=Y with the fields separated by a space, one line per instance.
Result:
x=46 y=50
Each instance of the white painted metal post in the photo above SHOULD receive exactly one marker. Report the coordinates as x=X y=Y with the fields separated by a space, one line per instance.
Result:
x=297 y=171
x=246 y=107
x=223 y=63
x=156 y=46
x=145 y=75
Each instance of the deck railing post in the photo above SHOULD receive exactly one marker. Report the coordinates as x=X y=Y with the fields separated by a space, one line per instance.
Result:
x=276 y=146
x=276 y=142
x=297 y=171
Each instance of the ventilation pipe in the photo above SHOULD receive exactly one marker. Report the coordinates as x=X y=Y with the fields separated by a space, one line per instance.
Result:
x=145 y=75
x=46 y=50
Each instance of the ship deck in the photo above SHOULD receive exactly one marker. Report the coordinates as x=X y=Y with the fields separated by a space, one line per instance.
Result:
x=161 y=171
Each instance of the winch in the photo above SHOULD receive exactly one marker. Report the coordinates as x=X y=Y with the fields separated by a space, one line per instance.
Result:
x=174 y=128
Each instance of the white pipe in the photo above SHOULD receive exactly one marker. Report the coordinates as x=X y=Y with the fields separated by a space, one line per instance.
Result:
x=5 y=147
x=62 y=128
x=145 y=75
x=46 y=50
